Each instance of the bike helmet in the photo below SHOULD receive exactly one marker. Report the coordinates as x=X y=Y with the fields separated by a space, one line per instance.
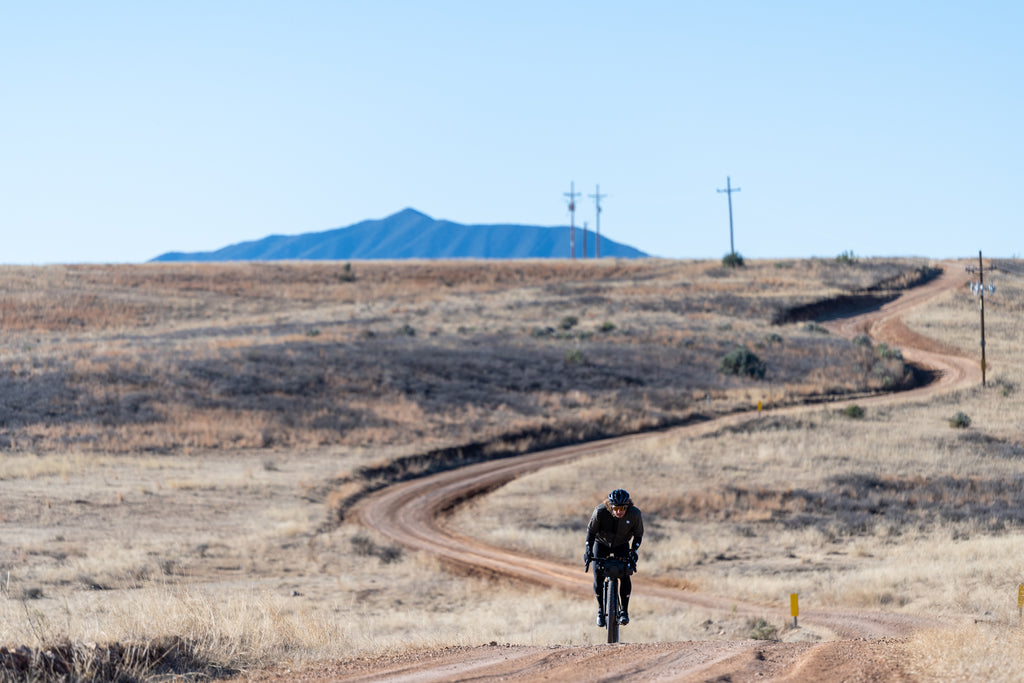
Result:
x=619 y=498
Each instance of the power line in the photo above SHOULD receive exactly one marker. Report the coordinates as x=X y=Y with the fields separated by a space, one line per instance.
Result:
x=597 y=197
x=729 y=189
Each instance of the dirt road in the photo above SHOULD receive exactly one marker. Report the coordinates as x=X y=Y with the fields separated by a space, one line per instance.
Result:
x=863 y=646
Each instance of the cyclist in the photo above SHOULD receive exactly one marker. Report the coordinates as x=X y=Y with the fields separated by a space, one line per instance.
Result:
x=615 y=530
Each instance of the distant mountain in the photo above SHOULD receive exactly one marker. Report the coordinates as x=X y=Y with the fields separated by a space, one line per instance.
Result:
x=410 y=234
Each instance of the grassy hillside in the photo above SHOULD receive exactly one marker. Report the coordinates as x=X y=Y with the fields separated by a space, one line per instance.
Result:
x=180 y=441
x=165 y=358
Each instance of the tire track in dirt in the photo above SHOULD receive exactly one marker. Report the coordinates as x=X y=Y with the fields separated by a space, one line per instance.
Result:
x=412 y=513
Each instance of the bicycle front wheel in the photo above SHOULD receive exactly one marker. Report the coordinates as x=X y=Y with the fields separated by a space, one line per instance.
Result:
x=611 y=609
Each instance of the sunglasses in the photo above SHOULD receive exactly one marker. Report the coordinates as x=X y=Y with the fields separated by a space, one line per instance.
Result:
x=619 y=508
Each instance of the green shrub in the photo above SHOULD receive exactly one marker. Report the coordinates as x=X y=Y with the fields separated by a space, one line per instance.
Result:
x=742 y=361
x=773 y=338
x=816 y=327
x=885 y=351
x=364 y=546
x=882 y=372
x=960 y=421
x=732 y=260
x=408 y=330
x=760 y=629
x=853 y=411
x=574 y=356
x=1005 y=386
x=862 y=340
x=846 y=258
x=346 y=274
x=607 y=326
x=568 y=322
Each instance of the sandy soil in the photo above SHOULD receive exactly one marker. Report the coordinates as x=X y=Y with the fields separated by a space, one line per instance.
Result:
x=857 y=645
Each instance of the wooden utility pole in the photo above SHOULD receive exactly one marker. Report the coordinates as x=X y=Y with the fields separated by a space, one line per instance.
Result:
x=981 y=288
x=729 y=189
x=572 y=194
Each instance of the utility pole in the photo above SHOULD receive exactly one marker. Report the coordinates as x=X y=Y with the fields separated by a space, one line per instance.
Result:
x=979 y=289
x=729 y=189
x=572 y=194
x=584 y=240
x=597 y=197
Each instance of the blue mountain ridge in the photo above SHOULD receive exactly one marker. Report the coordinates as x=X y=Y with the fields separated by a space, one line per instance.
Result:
x=410 y=234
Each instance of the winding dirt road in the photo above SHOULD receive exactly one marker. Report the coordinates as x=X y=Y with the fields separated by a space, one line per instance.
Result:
x=864 y=646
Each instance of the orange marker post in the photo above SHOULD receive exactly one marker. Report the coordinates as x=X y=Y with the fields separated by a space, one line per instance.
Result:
x=794 y=606
x=1020 y=599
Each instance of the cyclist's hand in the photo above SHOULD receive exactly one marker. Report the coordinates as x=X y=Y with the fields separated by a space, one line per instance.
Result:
x=588 y=556
x=633 y=557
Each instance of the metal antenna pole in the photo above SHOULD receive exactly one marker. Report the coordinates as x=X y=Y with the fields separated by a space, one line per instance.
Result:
x=729 y=189
x=572 y=194
x=597 y=197
x=584 y=240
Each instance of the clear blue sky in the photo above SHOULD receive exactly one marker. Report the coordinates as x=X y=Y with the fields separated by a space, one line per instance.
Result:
x=882 y=127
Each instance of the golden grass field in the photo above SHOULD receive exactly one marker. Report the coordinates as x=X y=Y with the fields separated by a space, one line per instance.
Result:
x=181 y=441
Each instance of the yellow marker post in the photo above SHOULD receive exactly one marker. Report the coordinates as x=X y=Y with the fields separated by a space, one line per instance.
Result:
x=794 y=606
x=1020 y=599
x=759 y=406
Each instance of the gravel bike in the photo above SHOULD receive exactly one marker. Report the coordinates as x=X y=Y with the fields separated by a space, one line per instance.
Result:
x=612 y=569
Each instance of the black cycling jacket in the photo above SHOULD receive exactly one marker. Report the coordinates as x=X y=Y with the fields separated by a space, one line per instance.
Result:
x=608 y=530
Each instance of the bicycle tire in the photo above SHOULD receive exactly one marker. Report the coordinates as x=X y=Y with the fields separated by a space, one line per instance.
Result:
x=611 y=609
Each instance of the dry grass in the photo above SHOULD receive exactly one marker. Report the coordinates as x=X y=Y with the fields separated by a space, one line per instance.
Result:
x=895 y=511
x=173 y=357
x=981 y=651
x=175 y=436
x=363 y=607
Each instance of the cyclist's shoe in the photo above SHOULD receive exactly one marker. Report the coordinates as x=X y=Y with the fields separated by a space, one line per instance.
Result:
x=623 y=618
x=601 y=623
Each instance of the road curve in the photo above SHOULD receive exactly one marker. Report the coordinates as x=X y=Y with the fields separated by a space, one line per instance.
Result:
x=411 y=513
x=952 y=367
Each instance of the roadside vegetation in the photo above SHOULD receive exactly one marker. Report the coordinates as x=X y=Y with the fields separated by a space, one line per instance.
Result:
x=181 y=443
x=903 y=509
